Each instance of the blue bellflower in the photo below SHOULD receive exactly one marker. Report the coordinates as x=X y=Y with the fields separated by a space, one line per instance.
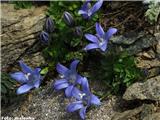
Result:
x=100 y=40
x=87 y=11
x=84 y=99
x=28 y=78
x=69 y=78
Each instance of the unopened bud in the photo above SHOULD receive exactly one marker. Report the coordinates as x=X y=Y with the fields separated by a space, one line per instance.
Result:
x=78 y=31
x=49 y=25
x=68 y=19
x=44 y=37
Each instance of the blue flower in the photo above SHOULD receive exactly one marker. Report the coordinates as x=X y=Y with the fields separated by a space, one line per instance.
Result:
x=87 y=11
x=44 y=37
x=100 y=40
x=69 y=78
x=28 y=78
x=84 y=99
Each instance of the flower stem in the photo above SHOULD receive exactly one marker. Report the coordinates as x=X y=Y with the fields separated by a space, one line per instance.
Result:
x=88 y=28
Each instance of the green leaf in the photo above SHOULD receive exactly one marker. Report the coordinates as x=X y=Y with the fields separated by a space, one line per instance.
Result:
x=8 y=84
x=44 y=71
x=3 y=89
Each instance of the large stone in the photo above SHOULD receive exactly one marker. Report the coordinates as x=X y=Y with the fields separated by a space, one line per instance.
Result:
x=144 y=112
x=127 y=40
x=155 y=116
x=141 y=63
x=153 y=72
x=134 y=43
x=149 y=90
x=127 y=115
x=20 y=30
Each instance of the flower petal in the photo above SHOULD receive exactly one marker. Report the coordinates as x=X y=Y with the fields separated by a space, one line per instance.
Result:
x=73 y=65
x=36 y=73
x=96 y=6
x=95 y=100
x=61 y=69
x=74 y=106
x=37 y=83
x=79 y=79
x=60 y=81
x=24 y=67
x=85 y=6
x=103 y=47
x=37 y=70
x=91 y=46
x=82 y=112
x=82 y=12
x=99 y=30
x=76 y=93
x=68 y=91
x=85 y=86
x=110 y=32
x=24 y=88
x=61 y=86
x=19 y=77
x=91 y=38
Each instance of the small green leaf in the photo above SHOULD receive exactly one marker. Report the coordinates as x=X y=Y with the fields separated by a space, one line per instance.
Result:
x=44 y=71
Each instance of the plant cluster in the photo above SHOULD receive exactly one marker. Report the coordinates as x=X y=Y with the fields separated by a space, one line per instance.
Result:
x=7 y=88
x=22 y=4
x=63 y=36
x=119 y=71
x=67 y=38
x=153 y=11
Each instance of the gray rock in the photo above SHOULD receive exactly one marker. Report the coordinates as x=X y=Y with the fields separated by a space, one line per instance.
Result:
x=153 y=72
x=144 y=112
x=150 y=54
x=142 y=43
x=20 y=29
x=158 y=47
x=126 y=40
x=148 y=110
x=127 y=115
x=134 y=43
x=141 y=63
x=149 y=90
x=155 y=116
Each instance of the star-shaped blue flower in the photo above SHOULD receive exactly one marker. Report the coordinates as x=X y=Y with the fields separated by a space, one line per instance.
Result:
x=100 y=40
x=28 y=78
x=87 y=11
x=84 y=99
x=69 y=78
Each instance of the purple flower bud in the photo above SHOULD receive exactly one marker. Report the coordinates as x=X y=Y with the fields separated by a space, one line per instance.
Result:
x=78 y=31
x=44 y=37
x=68 y=19
x=49 y=25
